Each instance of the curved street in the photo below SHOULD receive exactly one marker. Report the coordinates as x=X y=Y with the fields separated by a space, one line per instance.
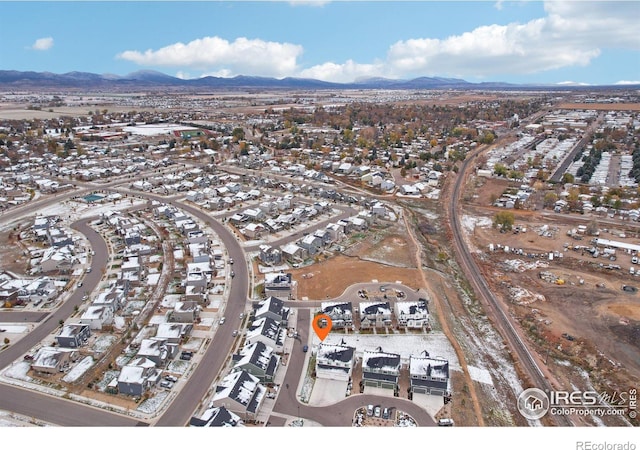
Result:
x=56 y=410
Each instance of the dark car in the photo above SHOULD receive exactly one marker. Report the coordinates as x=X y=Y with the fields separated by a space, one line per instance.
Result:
x=186 y=356
x=305 y=348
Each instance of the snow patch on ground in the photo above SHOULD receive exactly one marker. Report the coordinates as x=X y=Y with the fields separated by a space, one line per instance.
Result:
x=469 y=223
x=78 y=370
x=104 y=343
x=152 y=404
x=480 y=375
x=18 y=371
x=518 y=265
x=405 y=345
x=16 y=329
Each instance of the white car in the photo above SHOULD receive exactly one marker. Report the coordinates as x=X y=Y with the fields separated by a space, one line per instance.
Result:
x=222 y=319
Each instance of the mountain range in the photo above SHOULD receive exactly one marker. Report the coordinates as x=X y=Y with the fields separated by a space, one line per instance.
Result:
x=149 y=79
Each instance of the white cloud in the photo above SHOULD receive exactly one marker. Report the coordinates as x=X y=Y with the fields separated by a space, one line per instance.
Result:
x=625 y=82
x=571 y=34
x=214 y=54
x=342 y=73
x=43 y=44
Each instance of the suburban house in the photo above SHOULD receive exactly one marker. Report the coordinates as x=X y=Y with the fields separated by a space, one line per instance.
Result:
x=196 y=292
x=293 y=252
x=97 y=316
x=341 y=313
x=217 y=417
x=375 y=315
x=335 y=361
x=158 y=350
x=53 y=360
x=336 y=232
x=273 y=308
x=185 y=312
x=113 y=298
x=257 y=359
x=429 y=375
x=270 y=255
x=311 y=243
x=138 y=376
x=241 y=393
x=380 y=369
x=73 y=335
x=412 y=314
x=173 y=332
x=280 y=285
x=267 y=331
x=58 y=259
x=253 y=230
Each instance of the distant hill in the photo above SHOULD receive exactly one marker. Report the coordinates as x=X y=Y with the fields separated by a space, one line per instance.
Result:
x=150 y=79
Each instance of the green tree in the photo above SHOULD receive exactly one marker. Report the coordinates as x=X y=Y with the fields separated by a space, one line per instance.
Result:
x=238 y=134
x=568 y=178
x=504 y=220
x=500 y=170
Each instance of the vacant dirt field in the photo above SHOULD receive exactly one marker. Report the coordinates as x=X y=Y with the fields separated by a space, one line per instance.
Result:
x=331 y=277
x=574 y=294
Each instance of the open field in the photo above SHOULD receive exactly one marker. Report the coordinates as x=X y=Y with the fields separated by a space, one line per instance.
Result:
x=574 y=295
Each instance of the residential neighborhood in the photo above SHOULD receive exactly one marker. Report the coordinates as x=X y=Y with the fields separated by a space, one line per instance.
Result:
x=149 y=253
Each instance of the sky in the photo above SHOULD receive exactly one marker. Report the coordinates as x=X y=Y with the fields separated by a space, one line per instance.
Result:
x=551 y=42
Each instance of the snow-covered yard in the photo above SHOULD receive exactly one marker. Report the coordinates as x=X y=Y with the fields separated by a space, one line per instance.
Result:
x=404 y=345
x=152 y=279
x=78 y=370
x=103 y=343
x=108 y=376
x=18 y=371
x=152 y=404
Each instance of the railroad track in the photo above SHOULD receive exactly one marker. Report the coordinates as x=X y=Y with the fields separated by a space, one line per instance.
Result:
x=491 y=304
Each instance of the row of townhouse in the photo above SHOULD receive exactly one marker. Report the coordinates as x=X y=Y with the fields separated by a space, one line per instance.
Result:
x=313 y=243
x=241 y=393
x=143 y=372
x=378 y=314
x=380 y=369
x=61 y=255
x=15 y=290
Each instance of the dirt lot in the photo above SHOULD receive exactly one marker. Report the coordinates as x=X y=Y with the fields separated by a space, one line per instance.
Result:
x=574 y=295
x=382 y=254
x=331 y=277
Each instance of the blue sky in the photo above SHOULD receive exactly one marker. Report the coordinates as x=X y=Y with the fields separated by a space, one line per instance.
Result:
x=578 y=41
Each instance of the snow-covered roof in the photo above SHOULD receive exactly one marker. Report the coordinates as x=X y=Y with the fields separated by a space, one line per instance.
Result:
x=418 y=307
x=380 y=360
x=377 y=308
x=337 y=308
x=426 y=366
x=243 y=388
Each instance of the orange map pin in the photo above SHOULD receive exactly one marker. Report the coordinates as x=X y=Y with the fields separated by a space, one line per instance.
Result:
x=322 y=325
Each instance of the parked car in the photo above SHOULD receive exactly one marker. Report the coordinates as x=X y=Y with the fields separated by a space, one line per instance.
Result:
x=235 y=333
x=385 y=413
x=170 y=378
x=166 y=384
x=369 y=410
x=376 y=411
x=222 y=319
x=305 y=348
x=445 y=423
x=186 y=356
